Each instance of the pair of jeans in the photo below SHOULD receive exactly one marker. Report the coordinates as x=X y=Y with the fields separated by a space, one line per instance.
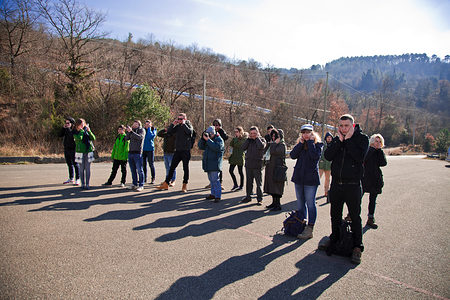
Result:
x=123 y=167
x=69 y=155
x=241 y=174
x=306 y=201
x=167 y=161
x=372 y=203
x=148 y=156
x=214 y=180
x=135 y=162
x=254 y=174
x=178 y=156
x=85 y=170
x=349 y=194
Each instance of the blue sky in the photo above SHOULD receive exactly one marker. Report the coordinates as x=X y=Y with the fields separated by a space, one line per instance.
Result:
x=286 y=33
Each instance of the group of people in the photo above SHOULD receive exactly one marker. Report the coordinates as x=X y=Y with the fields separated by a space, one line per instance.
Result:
x=351 y=160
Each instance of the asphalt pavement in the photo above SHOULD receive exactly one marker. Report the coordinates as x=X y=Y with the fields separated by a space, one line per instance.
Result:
x=61 y=242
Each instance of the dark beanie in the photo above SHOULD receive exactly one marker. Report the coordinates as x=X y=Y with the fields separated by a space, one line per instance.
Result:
x=71 y=120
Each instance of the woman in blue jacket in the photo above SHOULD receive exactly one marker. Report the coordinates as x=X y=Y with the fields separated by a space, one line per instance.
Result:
x=306 y=176
x=213 y=147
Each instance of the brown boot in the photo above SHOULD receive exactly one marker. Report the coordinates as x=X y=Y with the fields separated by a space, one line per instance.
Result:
x=184 y=188
x=163 y=186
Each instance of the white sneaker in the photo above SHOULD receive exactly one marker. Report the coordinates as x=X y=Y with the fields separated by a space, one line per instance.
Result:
x=68 y=181
x=122 y=185
x=139 y=189
x=77 y=182
x=132 y=187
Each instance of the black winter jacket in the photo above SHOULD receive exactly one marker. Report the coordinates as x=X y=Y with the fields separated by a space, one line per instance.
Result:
x=183 y=135
x=373 y=177
x=255 y=152
x=69 y=142
x=347 y=157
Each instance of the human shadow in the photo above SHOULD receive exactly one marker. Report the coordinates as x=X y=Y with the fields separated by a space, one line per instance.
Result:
x=18 y=188
x=233 y=221
x=236 y=268
x=122 y=196
x=208 y=209
x=317 y=272
x=36 y=197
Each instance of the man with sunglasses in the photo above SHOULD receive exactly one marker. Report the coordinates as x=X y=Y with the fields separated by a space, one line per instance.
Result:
x=182 y=129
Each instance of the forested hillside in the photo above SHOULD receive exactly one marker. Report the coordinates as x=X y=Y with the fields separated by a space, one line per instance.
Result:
x=55 y=61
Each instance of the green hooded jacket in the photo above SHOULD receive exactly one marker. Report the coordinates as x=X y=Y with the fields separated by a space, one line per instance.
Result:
x=80 y=146
x=120 y=148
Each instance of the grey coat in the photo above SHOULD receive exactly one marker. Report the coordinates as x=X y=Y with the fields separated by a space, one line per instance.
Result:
x=255 y=152
x=136 y=138
x=277 y=158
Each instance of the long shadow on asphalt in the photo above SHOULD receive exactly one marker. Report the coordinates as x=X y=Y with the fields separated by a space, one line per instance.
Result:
x=122 y=196
x=317 y=272
x=231 y=270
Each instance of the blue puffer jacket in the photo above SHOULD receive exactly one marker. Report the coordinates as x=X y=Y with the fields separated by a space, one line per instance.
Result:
x=306 y=170
x=213 y=153
x=149 y=141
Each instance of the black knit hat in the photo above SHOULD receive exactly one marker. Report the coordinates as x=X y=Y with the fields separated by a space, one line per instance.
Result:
x=71 y=120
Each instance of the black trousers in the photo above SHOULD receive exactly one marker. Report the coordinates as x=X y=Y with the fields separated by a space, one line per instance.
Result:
x=178 y=156
x=351 y=195
x=241 y=174
x=256 y=175
x=116 y=164
x=69 y=155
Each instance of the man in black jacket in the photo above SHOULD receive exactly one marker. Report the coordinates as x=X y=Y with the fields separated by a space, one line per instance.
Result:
x=254 y=145
x=69 y=151
x=182 y=129
x=346 y=153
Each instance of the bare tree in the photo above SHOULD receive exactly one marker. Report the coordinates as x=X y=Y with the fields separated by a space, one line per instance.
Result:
x=76 y=27
x=18 y=17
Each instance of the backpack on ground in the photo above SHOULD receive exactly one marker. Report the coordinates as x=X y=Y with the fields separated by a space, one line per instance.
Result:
x=293 y=226
x=344 y=246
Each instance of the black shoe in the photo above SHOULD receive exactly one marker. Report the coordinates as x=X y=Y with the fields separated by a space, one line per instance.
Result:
x=235 y=187
x=239 y=188
x=276 y=208
x=271 y=205
x=259 y=203
x=246 y=200
x=107 y=184
x=210 y=197
x=216 y=200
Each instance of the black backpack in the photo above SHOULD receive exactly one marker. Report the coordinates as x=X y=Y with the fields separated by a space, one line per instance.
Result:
x=344 y=246
x=293 y=226
x=193 y=137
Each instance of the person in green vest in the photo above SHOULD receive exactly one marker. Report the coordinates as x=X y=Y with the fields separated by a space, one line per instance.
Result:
x=119 y=156
x=84 y=150
x=237 y=157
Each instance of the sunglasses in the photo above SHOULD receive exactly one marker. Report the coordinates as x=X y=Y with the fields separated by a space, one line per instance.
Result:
x=68 y=123
x=180 y=119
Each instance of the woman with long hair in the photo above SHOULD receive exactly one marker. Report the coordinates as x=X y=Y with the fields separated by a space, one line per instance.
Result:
x=372 y=180
x=307 y=152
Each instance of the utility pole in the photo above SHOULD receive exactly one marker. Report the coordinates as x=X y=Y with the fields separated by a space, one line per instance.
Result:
x=367 y=119
x=325 y=110
x=204 y=101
